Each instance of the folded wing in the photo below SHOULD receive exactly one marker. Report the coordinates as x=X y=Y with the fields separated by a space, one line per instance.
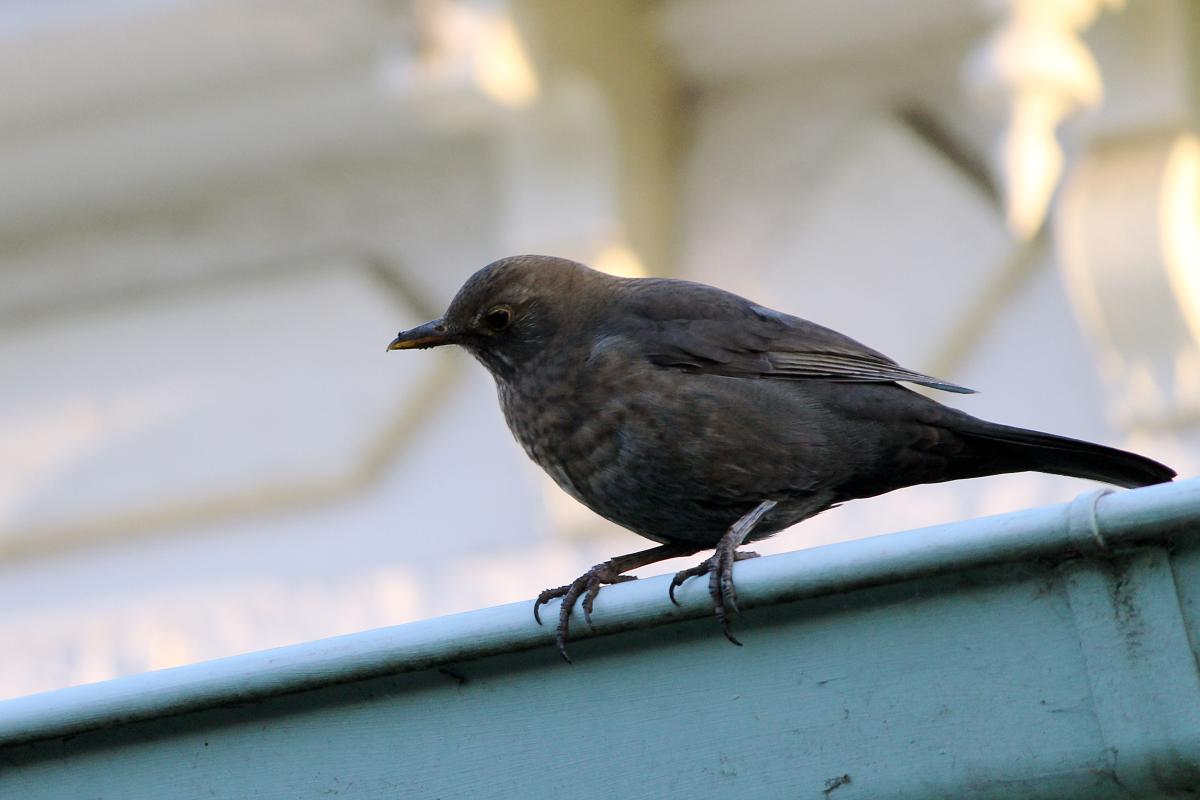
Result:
x=697 y=328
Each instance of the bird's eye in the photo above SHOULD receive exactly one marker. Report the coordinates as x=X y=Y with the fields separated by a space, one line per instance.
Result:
x=498 y=318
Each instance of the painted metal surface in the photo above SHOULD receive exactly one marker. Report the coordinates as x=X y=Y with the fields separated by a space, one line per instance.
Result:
x=1050 y=653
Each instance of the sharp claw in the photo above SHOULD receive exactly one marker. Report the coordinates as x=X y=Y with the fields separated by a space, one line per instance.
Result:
x=682 y=576
x=564 y=623
x=564 y=626
x=545 y=597
x=723 y=620
x=593 y=589
x=728 y=590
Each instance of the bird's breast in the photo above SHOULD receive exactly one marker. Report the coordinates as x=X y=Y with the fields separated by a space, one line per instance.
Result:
x=547 y=412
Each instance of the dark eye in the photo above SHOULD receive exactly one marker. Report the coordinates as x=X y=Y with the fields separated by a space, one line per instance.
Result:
x=498 y=318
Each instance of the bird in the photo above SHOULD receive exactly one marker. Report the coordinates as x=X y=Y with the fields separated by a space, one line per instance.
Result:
x=701 y=420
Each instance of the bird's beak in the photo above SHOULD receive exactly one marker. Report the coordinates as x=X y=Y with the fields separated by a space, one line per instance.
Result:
x=431 y=334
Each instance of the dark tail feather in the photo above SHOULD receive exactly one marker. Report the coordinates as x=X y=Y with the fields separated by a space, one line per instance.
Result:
x=1019 y=450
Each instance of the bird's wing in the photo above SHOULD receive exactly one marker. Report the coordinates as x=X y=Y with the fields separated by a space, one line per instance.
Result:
x=698 y=328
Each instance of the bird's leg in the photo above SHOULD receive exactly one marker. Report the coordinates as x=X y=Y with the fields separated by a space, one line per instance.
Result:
x=719 y=567
x=588 y=584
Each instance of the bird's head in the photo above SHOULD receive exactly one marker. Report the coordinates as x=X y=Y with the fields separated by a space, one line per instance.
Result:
x=509 y=311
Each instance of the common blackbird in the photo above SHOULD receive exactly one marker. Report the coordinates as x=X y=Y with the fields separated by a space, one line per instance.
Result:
x=700 y=419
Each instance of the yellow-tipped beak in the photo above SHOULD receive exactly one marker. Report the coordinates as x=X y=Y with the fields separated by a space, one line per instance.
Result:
x=431 y=334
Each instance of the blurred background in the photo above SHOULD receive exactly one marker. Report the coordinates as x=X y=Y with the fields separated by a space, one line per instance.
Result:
x=215 y=214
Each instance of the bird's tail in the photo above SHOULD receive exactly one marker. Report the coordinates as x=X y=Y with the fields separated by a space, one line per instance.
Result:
x=1018 y=450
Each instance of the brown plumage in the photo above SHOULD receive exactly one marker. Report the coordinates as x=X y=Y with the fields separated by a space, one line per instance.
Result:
x=699 y=419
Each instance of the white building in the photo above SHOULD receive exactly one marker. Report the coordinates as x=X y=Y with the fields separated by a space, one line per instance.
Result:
x=215 y=214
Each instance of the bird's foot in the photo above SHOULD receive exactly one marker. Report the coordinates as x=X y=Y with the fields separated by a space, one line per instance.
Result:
x=588 y=585
x=719 y=568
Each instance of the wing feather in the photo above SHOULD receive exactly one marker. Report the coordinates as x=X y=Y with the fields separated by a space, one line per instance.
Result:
x=698 y=328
